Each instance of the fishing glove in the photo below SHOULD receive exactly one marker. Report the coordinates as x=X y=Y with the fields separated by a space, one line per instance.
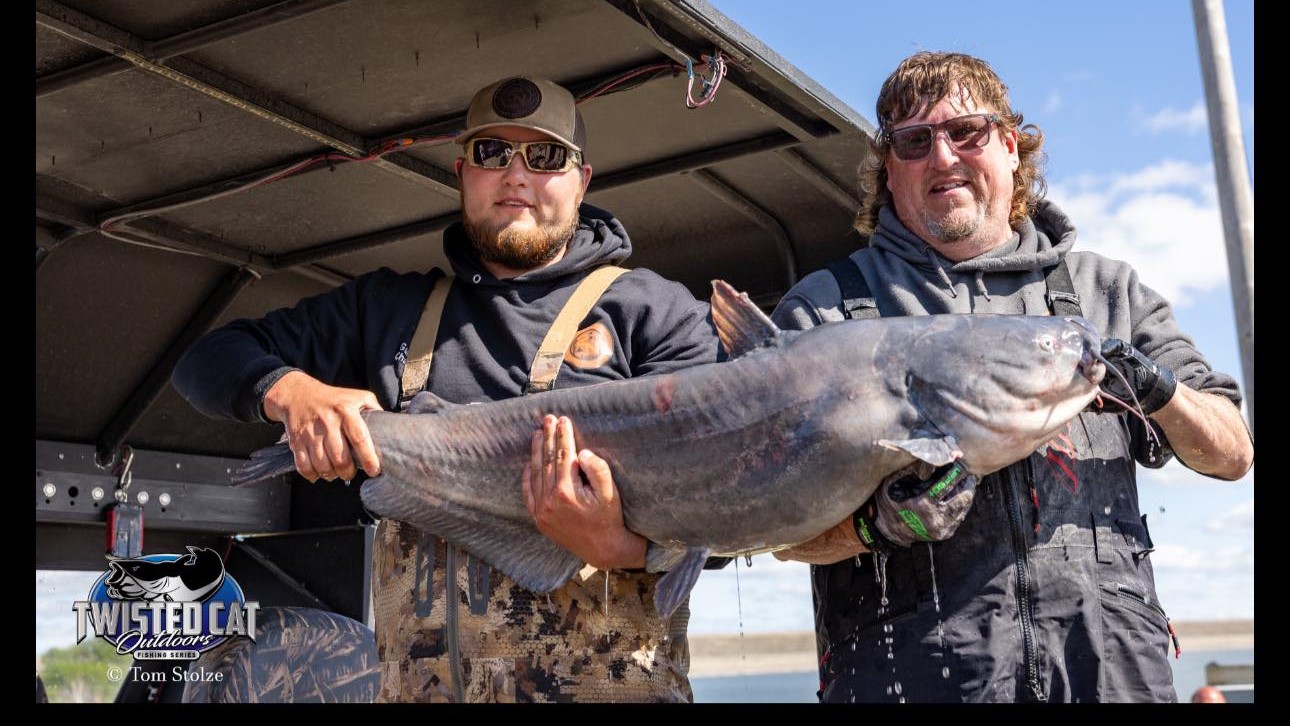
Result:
x=1151 y=383
x=925 y=505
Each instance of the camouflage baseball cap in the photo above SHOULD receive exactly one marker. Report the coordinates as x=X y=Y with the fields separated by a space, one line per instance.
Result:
x=533 y=103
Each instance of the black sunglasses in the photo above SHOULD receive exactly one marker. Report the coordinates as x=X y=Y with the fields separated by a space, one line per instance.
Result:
x=544 y=157
x=912 y=143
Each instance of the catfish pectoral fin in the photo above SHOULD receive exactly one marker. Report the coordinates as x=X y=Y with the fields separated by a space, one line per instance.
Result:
x=937 y=451
x=515 y=548
x=675 y=586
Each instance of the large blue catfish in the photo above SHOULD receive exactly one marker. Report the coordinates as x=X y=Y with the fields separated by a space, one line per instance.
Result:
x=760 y=453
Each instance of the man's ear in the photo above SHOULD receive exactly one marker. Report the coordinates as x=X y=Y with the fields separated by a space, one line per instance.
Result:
x=586 y=177
x=1011 y=142
x=456 y=166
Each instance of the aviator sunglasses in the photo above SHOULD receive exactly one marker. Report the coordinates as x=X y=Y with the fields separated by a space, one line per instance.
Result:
x=912 y=143
x=543 y=157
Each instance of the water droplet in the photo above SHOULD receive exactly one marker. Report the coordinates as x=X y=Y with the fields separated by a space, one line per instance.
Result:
x=886 y=628
x=888 y=690
x=853 y=671
x=891 y=656
x=902 y=699
x=899 y=690
x=853 y=646
x=887 y=640
x=1106 y=509
x=945 y=672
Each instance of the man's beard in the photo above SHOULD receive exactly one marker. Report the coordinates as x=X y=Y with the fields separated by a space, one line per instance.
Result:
x=956 y=225
x=520 y=249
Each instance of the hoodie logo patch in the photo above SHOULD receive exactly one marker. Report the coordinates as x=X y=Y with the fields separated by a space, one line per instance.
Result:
x=592 y=347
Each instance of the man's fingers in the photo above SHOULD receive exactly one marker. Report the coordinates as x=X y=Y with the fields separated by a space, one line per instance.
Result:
x=360 y=441
x=565 y=455
x=598 y=474
x=548 y=447
x=304 y=466
x=318 y=455
x=337 y=449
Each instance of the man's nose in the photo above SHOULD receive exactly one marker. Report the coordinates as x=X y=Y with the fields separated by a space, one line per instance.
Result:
x=516 y=173
x=943 y=152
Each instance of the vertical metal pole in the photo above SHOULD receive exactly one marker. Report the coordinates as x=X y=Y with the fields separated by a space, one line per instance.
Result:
x=1235 y=199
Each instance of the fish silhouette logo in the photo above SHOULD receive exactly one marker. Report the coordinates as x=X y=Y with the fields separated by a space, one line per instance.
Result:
x=190 y=578
x=166 y=607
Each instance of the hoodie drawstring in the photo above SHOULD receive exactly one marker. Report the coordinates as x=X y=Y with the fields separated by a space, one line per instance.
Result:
x=936 y=262
x=935 y=259
x=980 y=284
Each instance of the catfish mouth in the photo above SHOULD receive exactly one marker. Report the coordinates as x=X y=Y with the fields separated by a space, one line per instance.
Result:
x=1090 y=360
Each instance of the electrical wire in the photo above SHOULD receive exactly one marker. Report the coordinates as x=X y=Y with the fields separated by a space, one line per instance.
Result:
x=715 y=64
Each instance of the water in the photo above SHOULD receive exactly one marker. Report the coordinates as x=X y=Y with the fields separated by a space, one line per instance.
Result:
x=1189 y=674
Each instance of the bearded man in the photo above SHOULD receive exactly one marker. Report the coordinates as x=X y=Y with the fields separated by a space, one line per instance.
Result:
x=448 y=628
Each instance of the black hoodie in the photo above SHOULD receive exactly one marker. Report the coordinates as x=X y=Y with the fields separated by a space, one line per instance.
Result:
x=357 y=335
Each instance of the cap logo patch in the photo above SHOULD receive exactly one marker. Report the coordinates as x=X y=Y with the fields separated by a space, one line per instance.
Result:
x=592 y=347
x=516 y=98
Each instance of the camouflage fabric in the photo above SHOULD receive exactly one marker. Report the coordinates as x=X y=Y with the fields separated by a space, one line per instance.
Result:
x=300 y=655
x=516 y=645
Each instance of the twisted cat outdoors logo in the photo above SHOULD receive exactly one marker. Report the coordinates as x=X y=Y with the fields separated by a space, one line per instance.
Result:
x=166 y=607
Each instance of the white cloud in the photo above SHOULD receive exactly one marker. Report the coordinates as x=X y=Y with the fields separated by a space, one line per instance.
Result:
x=1163 y=219
x=1190 y=121
x=1235 y=559
x=1237 y=519
x=1054 y=102
x=1189 y=595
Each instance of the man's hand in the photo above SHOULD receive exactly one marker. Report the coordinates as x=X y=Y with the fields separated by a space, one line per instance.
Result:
x=573 y=500
x=926 y=506
x=1152 y=384
x=836 y=544
x=323 y=426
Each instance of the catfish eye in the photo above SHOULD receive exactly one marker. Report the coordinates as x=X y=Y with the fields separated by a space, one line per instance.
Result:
x=1046 y=342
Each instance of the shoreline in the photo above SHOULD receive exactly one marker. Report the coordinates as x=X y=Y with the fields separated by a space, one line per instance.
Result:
x=718 y=655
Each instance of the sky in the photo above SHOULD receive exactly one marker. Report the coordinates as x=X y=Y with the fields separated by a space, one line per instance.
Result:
x=1117 y=89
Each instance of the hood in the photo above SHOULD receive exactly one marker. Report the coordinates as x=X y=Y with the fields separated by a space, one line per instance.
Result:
x=599 y=240
x=1039 y=242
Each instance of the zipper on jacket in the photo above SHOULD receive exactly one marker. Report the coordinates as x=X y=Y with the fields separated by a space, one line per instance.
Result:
x=1029 y=656
x=454 y=639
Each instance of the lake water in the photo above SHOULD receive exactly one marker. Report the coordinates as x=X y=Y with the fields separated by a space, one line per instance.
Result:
x=1189 y=674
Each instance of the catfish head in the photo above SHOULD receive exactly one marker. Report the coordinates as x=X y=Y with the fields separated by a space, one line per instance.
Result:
x=993 y=388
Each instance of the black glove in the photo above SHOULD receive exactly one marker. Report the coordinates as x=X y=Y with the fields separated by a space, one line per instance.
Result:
x=924 y=505
x=1152 y=384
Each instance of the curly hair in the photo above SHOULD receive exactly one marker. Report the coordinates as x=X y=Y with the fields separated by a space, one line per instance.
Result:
x=920 y=82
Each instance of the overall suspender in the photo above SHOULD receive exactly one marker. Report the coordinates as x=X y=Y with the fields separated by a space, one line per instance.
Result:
x=546 y=363
x=542 y=374
x=858 y=302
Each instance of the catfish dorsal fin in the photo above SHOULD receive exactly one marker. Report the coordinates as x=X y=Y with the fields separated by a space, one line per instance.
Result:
x=741 y=325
